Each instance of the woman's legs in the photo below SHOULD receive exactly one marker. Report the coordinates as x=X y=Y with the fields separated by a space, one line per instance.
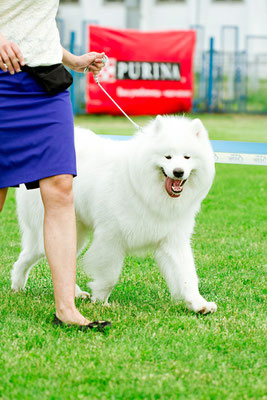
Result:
x=3 y=193
x=60 y=244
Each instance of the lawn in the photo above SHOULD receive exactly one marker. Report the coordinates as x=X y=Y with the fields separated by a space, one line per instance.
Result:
x=245 y=128
x=156 y=349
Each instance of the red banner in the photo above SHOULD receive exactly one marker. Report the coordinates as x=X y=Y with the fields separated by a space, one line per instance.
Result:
x=148 y=72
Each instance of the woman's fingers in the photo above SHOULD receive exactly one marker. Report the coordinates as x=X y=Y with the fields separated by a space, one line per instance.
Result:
x=96 y=68
x=10 y=57
x=7 y=61
x=95 y=57
x=2 y=65
x=13 y=60
x=99 y=64
x=99 y=60
x=18 y=53
x=92 y=62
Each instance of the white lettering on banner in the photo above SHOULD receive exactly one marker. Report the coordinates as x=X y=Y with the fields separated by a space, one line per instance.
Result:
x=142 y=92
x=134 y=71
x=176 y=72
x=177 y=93
x=153 y=71
x=148 y=71
x=122 y=68
x=108 y=73
x=240 y=158
x=156 y=93
x=155 y=67
x=166 y=72
x=260 y=159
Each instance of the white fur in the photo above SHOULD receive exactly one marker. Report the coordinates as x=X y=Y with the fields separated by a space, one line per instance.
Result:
x=120 y=195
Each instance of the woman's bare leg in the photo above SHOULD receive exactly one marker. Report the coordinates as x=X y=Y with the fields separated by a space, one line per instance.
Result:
x=3 y=193
x=60 y=244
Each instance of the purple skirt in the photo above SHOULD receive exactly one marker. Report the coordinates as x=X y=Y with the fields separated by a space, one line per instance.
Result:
x=36 y=132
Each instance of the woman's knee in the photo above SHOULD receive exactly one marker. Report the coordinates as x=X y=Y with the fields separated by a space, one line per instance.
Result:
x=57 y=190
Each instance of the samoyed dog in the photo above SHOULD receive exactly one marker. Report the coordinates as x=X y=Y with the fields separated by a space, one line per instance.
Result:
x=136 y=196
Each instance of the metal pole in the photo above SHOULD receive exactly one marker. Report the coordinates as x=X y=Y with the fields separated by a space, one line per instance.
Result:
x=198 y=7
x=132 y=14
x=84 y=40
x=210 y=87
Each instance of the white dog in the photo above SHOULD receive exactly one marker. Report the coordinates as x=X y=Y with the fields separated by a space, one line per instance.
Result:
x=137 y=195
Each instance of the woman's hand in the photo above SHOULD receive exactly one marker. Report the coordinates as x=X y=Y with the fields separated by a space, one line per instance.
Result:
x=91 y=60
x=10 y=56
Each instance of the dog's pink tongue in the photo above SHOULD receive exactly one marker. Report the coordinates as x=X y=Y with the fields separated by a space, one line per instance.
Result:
x=169 y=183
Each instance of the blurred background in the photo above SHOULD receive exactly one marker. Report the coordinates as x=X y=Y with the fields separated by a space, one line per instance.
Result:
x=230 y=56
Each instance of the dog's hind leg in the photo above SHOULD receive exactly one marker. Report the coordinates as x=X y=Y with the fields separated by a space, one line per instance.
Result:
x=82 y=236
x=82 y=239
x=32 y=252
x=103 y=262
x=30 y=216
x=81 y=293
x=21 y=269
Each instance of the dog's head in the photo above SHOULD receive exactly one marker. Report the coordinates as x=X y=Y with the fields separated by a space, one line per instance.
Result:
x=178 y=154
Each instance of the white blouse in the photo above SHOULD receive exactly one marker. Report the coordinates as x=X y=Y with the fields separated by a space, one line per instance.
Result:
x=32 y=26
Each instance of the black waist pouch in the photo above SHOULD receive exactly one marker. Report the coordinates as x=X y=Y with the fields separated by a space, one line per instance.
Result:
x=53 y=78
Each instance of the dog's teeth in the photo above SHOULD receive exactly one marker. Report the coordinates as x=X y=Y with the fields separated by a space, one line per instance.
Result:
x=176 y=191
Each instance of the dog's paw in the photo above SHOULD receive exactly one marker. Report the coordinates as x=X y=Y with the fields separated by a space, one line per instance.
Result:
x=201 y=306
x=96 y=300
x=208 y=308
x=16 y=289
x=99 y=293
x=18 y=284
x=84 y=295
x=81 y=294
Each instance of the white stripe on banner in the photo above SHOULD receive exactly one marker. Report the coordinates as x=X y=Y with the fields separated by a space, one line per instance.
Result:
x=241 y=158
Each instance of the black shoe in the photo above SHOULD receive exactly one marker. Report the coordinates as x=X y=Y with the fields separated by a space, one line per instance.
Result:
x=100 y=326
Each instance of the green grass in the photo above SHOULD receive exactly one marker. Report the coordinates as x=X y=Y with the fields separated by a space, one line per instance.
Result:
x=246 y=128
x=156 y=349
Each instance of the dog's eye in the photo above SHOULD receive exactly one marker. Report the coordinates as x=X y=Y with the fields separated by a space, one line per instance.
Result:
x=168 y=157
x=187 y=157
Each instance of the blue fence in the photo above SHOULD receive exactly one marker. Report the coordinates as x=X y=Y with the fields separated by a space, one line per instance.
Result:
x=231 y=80
x=222 y=83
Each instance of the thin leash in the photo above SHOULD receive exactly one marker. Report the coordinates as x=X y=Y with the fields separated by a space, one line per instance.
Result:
x=105 y=60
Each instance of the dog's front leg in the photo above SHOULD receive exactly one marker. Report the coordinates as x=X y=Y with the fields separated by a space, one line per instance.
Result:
x=103 y=262
x=176 y=263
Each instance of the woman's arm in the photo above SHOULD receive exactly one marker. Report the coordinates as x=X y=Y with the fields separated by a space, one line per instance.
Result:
x=10 y=56
x=91 y=60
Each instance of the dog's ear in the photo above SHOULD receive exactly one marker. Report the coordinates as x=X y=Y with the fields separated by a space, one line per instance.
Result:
x=198 y=128
x=158 y=122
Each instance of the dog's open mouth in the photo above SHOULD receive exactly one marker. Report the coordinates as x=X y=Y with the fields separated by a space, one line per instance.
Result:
x=174 y=187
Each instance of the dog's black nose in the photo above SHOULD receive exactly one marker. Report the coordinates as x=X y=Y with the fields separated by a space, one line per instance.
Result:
x=178 y=172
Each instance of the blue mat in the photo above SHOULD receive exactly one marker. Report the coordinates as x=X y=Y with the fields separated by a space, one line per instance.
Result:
x=229 y=152
x=223 y=146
